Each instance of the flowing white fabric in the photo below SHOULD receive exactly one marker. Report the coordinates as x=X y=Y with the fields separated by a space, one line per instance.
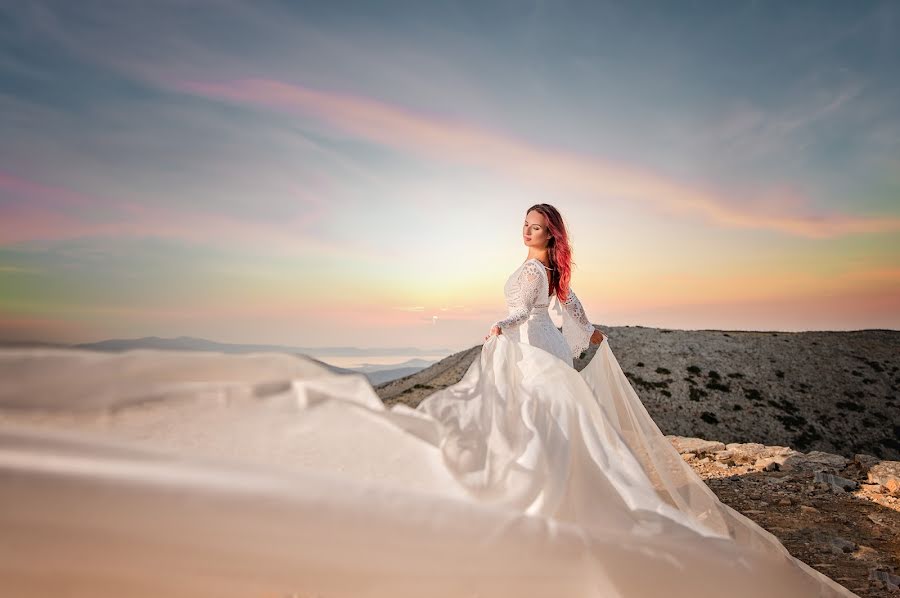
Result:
x=153 y=473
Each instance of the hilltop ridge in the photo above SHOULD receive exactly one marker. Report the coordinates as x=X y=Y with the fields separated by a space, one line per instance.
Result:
x=829 y=391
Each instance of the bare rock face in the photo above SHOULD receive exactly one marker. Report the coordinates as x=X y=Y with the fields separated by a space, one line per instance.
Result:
x=883 y=476
x=698 y=446
x=762 y=457
x=887 y=475
x=746 y=452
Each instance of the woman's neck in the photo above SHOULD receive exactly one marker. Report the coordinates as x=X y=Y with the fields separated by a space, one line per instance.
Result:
x=540 y=255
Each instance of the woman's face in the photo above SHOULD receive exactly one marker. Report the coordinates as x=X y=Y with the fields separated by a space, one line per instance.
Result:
x=534 y=231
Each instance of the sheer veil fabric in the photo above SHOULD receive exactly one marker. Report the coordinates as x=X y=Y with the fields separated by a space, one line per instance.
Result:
x=159 y=473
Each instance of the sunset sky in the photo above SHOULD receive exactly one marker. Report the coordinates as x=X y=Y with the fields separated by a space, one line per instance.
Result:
x=339 y=174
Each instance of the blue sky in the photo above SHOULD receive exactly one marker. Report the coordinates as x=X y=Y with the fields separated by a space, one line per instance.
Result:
x=337 y=173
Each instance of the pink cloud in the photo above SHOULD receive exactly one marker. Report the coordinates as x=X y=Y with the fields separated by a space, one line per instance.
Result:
x=444 y=139
x=46 y=194
x=45 y=212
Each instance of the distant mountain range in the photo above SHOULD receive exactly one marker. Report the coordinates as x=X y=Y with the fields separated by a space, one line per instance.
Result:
x=376 y=373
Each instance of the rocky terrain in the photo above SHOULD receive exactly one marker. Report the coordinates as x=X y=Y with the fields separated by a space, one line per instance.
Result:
x=806 y=428
x=840 y=516
x=828 y=391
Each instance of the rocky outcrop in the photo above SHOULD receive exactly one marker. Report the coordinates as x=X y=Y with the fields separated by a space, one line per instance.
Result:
x=882 y=476
x=838 y=515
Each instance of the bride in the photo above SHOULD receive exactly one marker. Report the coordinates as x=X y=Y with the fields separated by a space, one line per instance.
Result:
x=546 y=273
x=154 y=473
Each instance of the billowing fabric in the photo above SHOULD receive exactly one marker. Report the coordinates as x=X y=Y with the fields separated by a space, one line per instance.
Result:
x=151 y=473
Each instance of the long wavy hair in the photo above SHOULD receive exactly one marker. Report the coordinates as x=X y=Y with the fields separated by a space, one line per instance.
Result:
x=559 y=250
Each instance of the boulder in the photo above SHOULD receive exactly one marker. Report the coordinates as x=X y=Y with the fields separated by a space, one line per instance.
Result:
x=891 y=581
x=698 y=446
x=842 y=545
x=786 y=460
x=836 y=483
x=865 y=462
x=825 y=460
x=887 y=475
x=724 y=456
x=767 y=464
x=746 y=452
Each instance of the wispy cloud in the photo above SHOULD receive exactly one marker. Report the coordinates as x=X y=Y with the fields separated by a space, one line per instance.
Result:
x=39 y=211
x=442 y=139
x=748 y=131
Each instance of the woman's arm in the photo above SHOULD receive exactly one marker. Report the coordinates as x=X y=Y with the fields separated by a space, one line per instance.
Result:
x=528 y=285
x=577 y=329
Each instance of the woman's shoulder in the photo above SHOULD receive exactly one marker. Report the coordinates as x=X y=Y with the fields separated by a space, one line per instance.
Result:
x=531 y=265
x=534 y=263
x=530 y=268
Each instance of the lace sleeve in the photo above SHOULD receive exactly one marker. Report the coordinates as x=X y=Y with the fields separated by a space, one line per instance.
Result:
x=525 y=295
x=576 y=328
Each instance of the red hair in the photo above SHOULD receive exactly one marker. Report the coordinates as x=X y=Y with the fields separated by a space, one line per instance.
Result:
x=559 y=250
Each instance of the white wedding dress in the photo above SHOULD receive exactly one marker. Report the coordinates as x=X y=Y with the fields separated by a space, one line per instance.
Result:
x=151 y=473
x=527 y=292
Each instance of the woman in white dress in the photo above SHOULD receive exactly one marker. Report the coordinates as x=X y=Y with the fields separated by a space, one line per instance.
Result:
x=546 y=273
x=155 y=473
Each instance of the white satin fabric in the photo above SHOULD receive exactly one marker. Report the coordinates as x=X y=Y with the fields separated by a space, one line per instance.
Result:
x=152 y=473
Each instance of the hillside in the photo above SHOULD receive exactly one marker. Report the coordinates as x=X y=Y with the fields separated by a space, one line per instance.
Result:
x=829 y=391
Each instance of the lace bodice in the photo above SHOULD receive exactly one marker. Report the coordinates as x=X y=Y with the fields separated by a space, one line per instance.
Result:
x=527 y=293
